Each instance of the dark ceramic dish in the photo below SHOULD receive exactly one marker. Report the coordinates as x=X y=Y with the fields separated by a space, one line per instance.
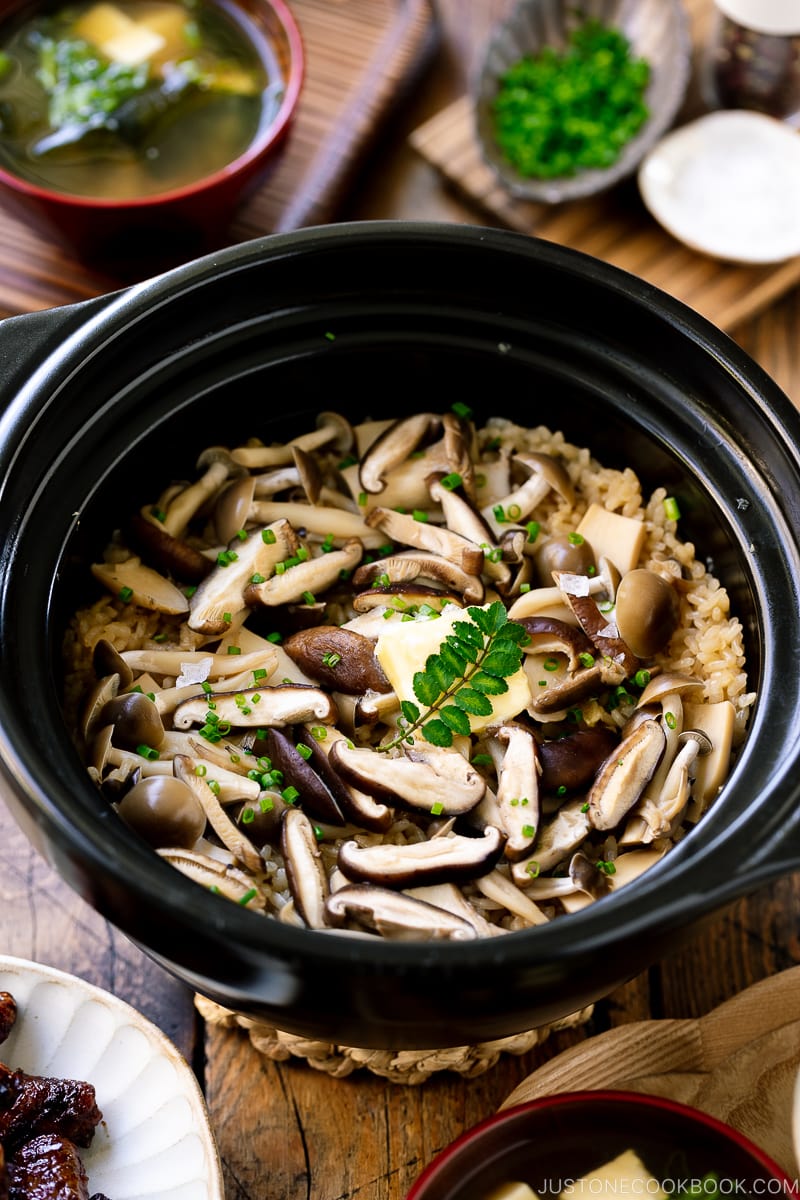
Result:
x=555 y=1143
x=105 y=399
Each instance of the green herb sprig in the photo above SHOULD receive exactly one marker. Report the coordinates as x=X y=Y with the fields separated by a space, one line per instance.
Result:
x=472 y=664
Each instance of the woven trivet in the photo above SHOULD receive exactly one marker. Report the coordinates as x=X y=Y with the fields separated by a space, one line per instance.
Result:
x=398 y=1066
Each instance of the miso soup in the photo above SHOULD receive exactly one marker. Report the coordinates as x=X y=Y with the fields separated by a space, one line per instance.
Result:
x=132 y=98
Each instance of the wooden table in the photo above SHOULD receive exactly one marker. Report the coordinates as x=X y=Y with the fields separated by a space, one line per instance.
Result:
x=285 y=1131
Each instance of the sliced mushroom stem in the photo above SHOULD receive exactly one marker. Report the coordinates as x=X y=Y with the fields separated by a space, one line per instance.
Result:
x=231 y=836
x=394 y=446
x=403 y=528
x=331 y=428
x=306 y=578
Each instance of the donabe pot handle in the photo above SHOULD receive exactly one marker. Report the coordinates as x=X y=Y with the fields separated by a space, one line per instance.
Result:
x=26 y=340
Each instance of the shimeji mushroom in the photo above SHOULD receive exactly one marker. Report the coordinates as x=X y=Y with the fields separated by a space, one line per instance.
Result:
x=332 y=430
x=224 y=879
x=435 y=780
x=656 y=816
x=582 y=876
x=104 y=755
x=498 y=888
x=647 y=611
x=172 y=555
x=452 y=899
x=217 y=466
x=615 y=655
x=463 y=518
x=193 y=773
x=305 y=872
x=545 y=475
x=395 y=915
x=423 y=535
x=164 y=811
x=445 y=859
x=135 y=719
x=559 y=837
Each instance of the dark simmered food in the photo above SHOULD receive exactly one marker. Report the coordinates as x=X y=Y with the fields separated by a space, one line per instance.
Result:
x=412 y=678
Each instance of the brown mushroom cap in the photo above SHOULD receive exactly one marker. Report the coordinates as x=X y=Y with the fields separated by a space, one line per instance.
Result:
x=647 y=611
x=337 y=658
x=136 y=721
x=164 y=811
x=565 y=552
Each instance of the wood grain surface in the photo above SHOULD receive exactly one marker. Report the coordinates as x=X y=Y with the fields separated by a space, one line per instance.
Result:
x=285 y=1131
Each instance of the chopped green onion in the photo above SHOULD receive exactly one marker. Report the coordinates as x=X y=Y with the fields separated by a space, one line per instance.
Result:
x=226 y=616
x=257 y=578
x=319 y=732
x=241 y=534
x=482 y=760
x=670 y=720
x=234 y=649
x=533 y=869
x=671 y=509
x=290 y=794
x=362 y=499
x=268 y=537
x=437 y=808
x=331 y=659
x=550 y=664
x=461 y=410
x=274 y=637
x=533 y=528
x=514 y=512
x=641 y=678
x=259 y=674
x=419 y=514
x=452 y=481
x=125 y=594
x=523 y=588
x=247 y=815
x=349 y=461
x=575 y=539
x=249 y=895
x=309 y=598
x=499 y=514
x=147 y=752
x=159 y=514
x=330 y=337
x=528 y=831
x=304 y=750
x=214 y=785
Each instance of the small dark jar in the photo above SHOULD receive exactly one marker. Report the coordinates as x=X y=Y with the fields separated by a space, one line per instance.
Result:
x=752 y=58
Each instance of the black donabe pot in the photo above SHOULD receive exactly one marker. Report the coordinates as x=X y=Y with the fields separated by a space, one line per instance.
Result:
x=107 y=400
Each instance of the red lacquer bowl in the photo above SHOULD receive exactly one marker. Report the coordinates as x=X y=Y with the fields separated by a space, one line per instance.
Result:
x=555 y=1143
x=141 y=235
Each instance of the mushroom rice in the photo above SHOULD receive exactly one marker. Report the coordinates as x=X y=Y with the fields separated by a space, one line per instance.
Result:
x=412 y=678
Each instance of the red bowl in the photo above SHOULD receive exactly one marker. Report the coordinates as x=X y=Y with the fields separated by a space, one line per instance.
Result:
x=554 y=1143
x=160 y=230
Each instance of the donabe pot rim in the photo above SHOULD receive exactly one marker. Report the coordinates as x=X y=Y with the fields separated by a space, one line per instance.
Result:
x=667 y=896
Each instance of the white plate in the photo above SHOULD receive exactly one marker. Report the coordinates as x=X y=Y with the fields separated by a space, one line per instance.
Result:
x=154 y=1142
x=728 y=184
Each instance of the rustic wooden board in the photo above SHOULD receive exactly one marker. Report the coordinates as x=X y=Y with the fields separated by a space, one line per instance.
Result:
x=738 y=1063
x=359 y=54
x=615 y=226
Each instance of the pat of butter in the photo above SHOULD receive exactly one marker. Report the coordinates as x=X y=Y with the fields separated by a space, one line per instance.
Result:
x=625 y=1174
x=403 y=648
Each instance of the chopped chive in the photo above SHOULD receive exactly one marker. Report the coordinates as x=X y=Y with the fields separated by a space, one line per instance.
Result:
x=214 y=785
x=349 y=461
x=585 y=807
x=533 y=869
x=586 y=659
x=226 y=616
x=482 y=760
x=274 y=637
x=461 y=410
x=437 y=808
x=319 y=732
x=206 y=686
x=523 y=588
x=241 y=534
x=147 y=752
x=550 y=664
x=290 y=794
x=330 y=337
x=257 y=578
x=304 y=750
x=234 y=649
x=247 y=815
x=268 y=537
x=641 y=678
x=514 y=512
x=362 y=499
x=309 y=598
x=670 y=720
x=575 y=539
x=159 y=514
x=452 y=481
x=266 y=804
x=499 y=514
x=331 y=659
x=671 y=509
x=259 y=674
x=533 y=528
x=249 y=895
x=528 y=831
x=419 y=514
x=125 y=594
x=190 y=591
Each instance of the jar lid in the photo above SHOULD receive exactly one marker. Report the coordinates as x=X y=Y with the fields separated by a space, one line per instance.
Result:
x=780 y=17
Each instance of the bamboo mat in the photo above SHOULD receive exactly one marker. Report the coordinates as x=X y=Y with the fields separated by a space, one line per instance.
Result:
x=359 y=54
x=614 y=226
